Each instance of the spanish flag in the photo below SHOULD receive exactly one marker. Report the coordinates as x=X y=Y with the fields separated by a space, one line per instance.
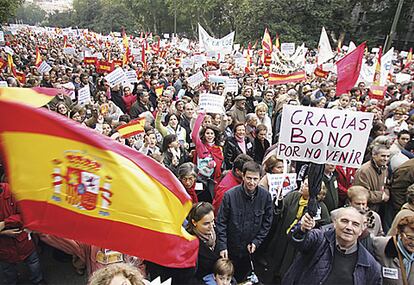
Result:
x=35 y=97
x=3 y=64
x=276 y=79
x=133 y=128
x=277 y=42
x=409 y=58
x=267 y=42
x=38 y=59
x=319 y=72
x=74 y=183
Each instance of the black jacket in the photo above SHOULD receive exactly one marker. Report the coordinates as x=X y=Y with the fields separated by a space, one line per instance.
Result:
x=232 y=150
x=243 y=220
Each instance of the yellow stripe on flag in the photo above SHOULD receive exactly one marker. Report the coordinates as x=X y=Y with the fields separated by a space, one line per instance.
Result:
x=26 y=96
x=161 y=209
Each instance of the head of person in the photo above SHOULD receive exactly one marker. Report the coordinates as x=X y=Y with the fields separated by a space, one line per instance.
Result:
x=251 y=120
x=240 y=102
x=381 y=155
x=247 y=92
x=378 y=129
x=116 y=274
x=268 y=96
x=405 y=229
x=143 y=97
x=261 y=132
x=223 y=271
x=172 y=120
x=210 y=135
x=239 y=162
x=151 y=138
x=344 y=100
x=62 y=109
x=403 y=137
x=329 y=168
x=201 y=219
x=189 y=110
x=273 y=165
x=239 y=131
x=187 y=174
x=251 y=176
x=349 y=225
x=127 y=91
x=106 y=129
x=261 y=110
x=358 y=198
x=399 y=112
x=170 y=141
x=84 y=78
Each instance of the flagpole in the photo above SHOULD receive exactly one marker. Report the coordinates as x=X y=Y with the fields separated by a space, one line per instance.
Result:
x=175 y=18
x=390 y=36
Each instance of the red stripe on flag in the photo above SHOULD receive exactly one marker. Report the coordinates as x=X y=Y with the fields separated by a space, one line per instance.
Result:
x=275 y=79
x=161 y=248
x=13 y=114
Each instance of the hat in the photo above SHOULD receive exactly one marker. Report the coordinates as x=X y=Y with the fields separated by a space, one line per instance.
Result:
x=239 y=98
x=292 y=92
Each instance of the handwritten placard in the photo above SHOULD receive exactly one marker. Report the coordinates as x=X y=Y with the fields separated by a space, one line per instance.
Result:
x=324 y=135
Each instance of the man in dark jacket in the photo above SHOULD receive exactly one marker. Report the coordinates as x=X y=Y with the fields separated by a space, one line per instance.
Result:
x=244 y=220
x=334 y=256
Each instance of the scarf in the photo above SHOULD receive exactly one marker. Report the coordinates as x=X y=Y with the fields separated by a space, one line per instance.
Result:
x=408 y=258
x=302 y=204
x=209 y=240
x=241 y=143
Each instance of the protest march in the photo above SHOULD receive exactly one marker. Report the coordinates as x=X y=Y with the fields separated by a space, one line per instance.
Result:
x=161 y=159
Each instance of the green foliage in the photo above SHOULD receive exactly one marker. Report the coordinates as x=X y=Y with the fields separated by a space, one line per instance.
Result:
x=30 y=14
x=8 y=9
x=294 y=20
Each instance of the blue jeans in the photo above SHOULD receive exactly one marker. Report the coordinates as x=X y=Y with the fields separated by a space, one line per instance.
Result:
x=32 y=261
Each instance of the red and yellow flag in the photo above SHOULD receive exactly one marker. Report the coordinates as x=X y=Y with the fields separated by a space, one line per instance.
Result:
x=277 y=42
x=103 y=193
x=276 y=79
x=3 y=64
x=133 y=128
x=35 y=97
x=125 y=43
x=409 y=58
x=376 y=91
x=38 y=59
x=319 y=72
x=10 y=63
x=267 y=42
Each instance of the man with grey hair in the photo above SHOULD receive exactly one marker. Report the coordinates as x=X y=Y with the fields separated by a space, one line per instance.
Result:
x=334 y=256
x=373 y=176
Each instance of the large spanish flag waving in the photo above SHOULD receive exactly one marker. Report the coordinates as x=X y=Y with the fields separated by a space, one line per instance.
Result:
x=35 y=97
x=74 y=183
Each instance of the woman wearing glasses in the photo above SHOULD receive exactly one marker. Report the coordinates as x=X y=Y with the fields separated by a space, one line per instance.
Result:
x=396 y=254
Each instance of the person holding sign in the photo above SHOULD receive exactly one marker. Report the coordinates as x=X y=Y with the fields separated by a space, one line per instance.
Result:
x=334 y=256
x=208 y=156
x=236 y=145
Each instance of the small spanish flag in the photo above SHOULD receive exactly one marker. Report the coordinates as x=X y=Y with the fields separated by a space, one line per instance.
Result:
x=35 y=97
x=103 y=193
x=276 y=79
x=277 y=42
x=3 y=63
x=319 y=72
x=377 y=92
x=133 y=128
x=159 y=89
x=38 y=59
x=409 y=58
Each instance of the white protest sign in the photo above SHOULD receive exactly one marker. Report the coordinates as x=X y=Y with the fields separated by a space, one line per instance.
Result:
x=186 y=63
x=403 y=53
x=1 y=36
x=196 y=79
x=199 y=60
x=135 y=51
x=3 y=84
x=217 y=79
x=69 y=50
x=281 y=182
x=375 y=50
x=288 y=48
x=324 y=135
x=166 y=36
x=236 y=47
x=231 y=85
x=401 y=77
x=211 y=103
x=222 y=46
x=44 y=67
x=240 y=62
x=84 y=95
x=115 y=77
x=131 y=76
x=8 y=50
x=70 y=89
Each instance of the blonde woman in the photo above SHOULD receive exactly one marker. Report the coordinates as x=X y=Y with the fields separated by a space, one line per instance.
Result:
x=263 y=118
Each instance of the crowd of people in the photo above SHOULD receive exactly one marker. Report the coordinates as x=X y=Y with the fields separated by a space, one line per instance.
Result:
x=364 y=230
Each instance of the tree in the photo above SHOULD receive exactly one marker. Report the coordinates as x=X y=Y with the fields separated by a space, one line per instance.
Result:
x=8 y=9
x=30 y=14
